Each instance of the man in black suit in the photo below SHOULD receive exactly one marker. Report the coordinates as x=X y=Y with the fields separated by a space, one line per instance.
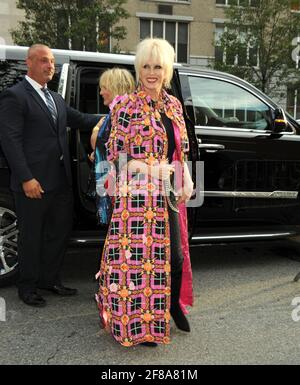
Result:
x=33 y=136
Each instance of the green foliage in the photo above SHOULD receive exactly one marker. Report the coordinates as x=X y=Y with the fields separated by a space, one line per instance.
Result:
x=257 y=43
x=71 y=23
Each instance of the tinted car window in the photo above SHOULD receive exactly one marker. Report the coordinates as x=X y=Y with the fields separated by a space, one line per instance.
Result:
x=11 y=72
x=89 y=99
x=217 y=103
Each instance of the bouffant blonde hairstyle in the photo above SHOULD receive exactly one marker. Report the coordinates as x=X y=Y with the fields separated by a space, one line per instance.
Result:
x=118 y=80
x=160 y=51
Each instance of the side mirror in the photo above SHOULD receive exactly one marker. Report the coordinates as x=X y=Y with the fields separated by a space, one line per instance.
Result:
x=280 y=122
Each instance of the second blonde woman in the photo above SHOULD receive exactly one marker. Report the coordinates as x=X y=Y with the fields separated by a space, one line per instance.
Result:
x=113 y=82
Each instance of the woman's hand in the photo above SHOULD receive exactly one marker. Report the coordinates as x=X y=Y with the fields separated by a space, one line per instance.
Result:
x=162 y=171
x=185 y=194
x=95 y=133
x=92 y=157
x=188 y=188
x=94 y=137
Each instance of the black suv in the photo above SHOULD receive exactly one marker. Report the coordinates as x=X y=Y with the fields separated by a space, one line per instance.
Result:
x=249 y=152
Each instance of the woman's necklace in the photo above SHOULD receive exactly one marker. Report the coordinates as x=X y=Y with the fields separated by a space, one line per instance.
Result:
x=159 y=105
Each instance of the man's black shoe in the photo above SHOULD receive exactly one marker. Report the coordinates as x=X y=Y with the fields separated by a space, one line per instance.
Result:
x=180 y=319
x=32 y=299
x=60 y=290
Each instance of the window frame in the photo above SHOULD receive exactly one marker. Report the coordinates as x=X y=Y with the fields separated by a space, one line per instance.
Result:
x=229 y=5
x=218 y=35
x=165 y=21
x=187 y=2
x=295 y=8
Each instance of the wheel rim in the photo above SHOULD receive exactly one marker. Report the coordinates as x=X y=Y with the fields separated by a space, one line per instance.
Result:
x=8 y=242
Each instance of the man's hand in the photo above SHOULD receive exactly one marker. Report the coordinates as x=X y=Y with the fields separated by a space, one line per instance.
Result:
x=33 y=189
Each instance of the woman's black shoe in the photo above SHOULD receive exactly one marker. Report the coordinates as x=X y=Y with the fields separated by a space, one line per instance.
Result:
x=151 y=344
x=180 y=319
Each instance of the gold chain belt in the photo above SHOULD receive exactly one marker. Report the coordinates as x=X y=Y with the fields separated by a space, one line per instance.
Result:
x=168 y=188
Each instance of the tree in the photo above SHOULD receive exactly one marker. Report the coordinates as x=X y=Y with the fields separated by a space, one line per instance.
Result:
x=257 y=42
x=75 y=24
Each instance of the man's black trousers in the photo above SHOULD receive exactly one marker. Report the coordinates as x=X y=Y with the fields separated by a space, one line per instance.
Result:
x=44 y=228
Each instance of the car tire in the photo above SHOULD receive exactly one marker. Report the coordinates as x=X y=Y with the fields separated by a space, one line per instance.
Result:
x=8 y=240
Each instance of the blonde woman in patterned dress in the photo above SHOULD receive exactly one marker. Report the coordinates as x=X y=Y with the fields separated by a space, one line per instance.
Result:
x=141 y=268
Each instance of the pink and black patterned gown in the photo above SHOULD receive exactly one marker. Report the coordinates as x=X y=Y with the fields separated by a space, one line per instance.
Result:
x=135 y=272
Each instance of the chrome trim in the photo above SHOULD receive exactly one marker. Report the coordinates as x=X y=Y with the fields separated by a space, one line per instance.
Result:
x=285 y=133
x=210 y=147
x=62 y=85
x=241 y=236
x=241 y=130
x=198 y=238
x=253 y=194
x=242 y=133
x=86 y=241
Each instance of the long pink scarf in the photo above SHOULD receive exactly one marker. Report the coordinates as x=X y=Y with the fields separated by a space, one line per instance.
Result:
x=186 y=291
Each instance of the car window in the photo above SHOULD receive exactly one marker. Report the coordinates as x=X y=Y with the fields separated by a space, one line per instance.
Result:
x=13 y=71
x=88 y=98
x=218 y=103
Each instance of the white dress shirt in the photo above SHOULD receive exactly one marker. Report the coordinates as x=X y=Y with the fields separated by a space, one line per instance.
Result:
x=38 y=89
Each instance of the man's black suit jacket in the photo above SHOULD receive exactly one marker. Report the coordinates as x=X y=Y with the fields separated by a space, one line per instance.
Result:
x=31 y=142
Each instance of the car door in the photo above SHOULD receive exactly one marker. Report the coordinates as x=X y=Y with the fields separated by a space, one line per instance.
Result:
x=251 y=173
x=86 y=99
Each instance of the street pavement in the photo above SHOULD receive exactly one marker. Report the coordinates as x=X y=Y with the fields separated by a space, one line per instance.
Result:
x=242 y=315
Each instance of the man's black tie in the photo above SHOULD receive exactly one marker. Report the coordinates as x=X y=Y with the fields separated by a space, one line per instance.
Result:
x=50 y=104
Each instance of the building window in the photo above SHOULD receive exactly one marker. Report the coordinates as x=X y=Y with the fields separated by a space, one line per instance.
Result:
x=219 y=50
x=241 y=3
x=243 y=56
x=182 y=46
x=171 y=1
x=145 y=28
x=295 y=5
x=177 y=34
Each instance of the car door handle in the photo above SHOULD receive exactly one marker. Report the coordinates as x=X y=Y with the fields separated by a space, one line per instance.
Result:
x=209 y=147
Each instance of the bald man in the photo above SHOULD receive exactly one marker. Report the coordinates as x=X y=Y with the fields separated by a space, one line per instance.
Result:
x=33 y=137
